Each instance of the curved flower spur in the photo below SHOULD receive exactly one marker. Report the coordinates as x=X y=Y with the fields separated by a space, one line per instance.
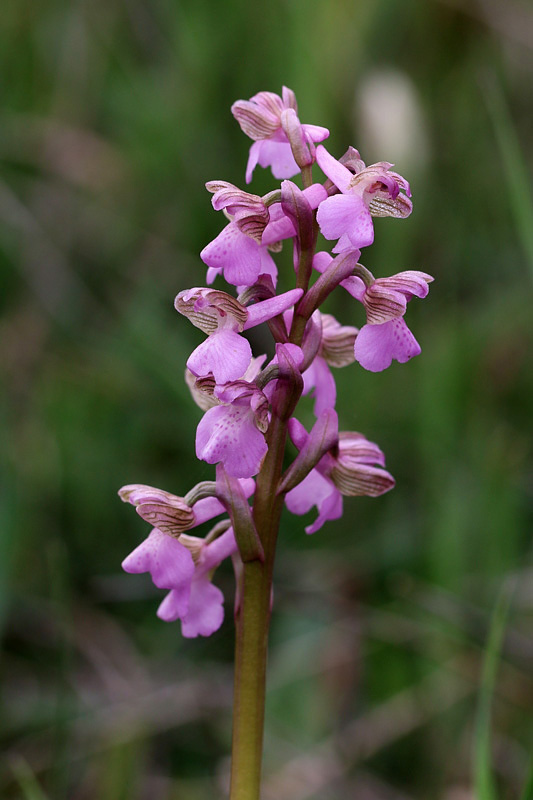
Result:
x=250 y=403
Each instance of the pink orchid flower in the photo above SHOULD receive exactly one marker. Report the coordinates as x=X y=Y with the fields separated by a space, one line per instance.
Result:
x=348 y=216
x=178 y=562
x=240 y=251
x=225 y=353
x=348 y=469
x=386 y=336
x=270 y=120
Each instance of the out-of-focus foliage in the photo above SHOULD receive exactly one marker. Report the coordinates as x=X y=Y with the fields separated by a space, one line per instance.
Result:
x=113 y=116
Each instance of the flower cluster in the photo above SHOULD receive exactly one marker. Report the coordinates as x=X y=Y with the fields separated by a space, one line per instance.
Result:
x=248 y=400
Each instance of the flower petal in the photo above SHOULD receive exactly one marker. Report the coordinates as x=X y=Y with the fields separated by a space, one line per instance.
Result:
x=236 y=254
x=320 y=378
x=278 y=156
x=224 y=353
x=169 y=563
x=377 y=345
x=206 y=611
x=228 y=434
x=346 y=215
x=336 y=172
x=175 y=605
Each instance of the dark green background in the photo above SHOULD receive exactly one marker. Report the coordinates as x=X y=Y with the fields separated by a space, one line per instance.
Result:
x=113 y=116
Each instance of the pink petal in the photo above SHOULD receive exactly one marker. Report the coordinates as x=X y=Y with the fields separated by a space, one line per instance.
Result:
x=236 y=254
x=321 y=261
x=266 y=309
x=355 y=286
x=175 y=605
x=224 y=353
x=297 y=432
x=315 y=194
x=346 y=214
x=207 y=508
x=377 y=345
x=253 y=158
x=336 y=172
x=169 y=563
x=330 y=509
x=211 y=274
x=315 y=133
x=315 y=490
x=278 y=156
x=277 y=230
x=228 y=434
x=206 y=612
x=312 y=491
x=268 y=265
x=320 y=378
x=215 y=552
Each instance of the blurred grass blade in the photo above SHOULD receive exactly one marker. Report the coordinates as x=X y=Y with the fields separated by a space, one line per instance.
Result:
x=527 y=794
x=27 y=780
x=483 y=779
x=514 y=163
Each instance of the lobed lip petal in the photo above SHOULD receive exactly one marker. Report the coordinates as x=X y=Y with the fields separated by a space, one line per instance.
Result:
x=228 y=434
x=169 y=563
x=236 y=254
x=346 y=215
x=224 y=353
x=175 y=605
x=206 y=610
x=278 y=156
x=315 y=490
x=377 y=345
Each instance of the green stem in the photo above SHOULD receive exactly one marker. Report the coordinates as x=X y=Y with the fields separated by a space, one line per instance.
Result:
x=252 y=623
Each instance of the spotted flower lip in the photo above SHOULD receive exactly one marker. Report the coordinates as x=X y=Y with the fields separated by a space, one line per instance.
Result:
x=233 y=432
x=184 y=568
x=264 y=119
